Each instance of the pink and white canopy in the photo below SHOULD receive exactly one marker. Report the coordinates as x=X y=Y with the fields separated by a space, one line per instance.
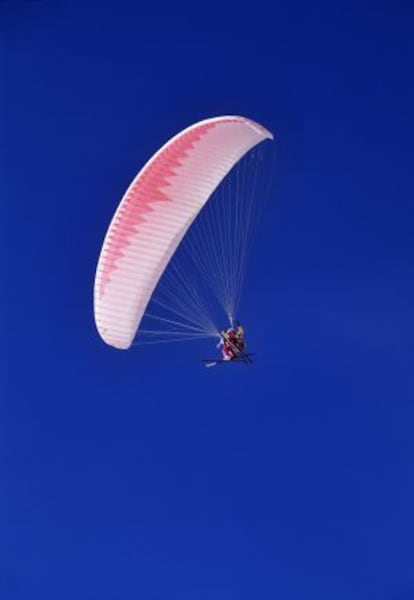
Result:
x=155 y=213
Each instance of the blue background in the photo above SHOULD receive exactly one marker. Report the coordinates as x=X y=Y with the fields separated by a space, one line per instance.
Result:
x=140 y=474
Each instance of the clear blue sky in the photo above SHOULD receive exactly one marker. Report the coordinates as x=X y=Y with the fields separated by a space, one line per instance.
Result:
x=141 y=475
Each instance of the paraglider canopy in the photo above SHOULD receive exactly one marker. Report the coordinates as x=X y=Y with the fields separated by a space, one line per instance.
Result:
x=155 y=213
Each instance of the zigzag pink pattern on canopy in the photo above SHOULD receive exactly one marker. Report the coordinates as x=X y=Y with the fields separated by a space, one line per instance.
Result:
x=154 y=215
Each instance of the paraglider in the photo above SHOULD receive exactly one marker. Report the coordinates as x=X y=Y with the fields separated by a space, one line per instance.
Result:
x=232 y=342
x=155 y=217
x=232 y=346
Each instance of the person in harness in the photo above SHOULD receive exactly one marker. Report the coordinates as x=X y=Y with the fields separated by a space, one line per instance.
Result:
x=232 y=342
